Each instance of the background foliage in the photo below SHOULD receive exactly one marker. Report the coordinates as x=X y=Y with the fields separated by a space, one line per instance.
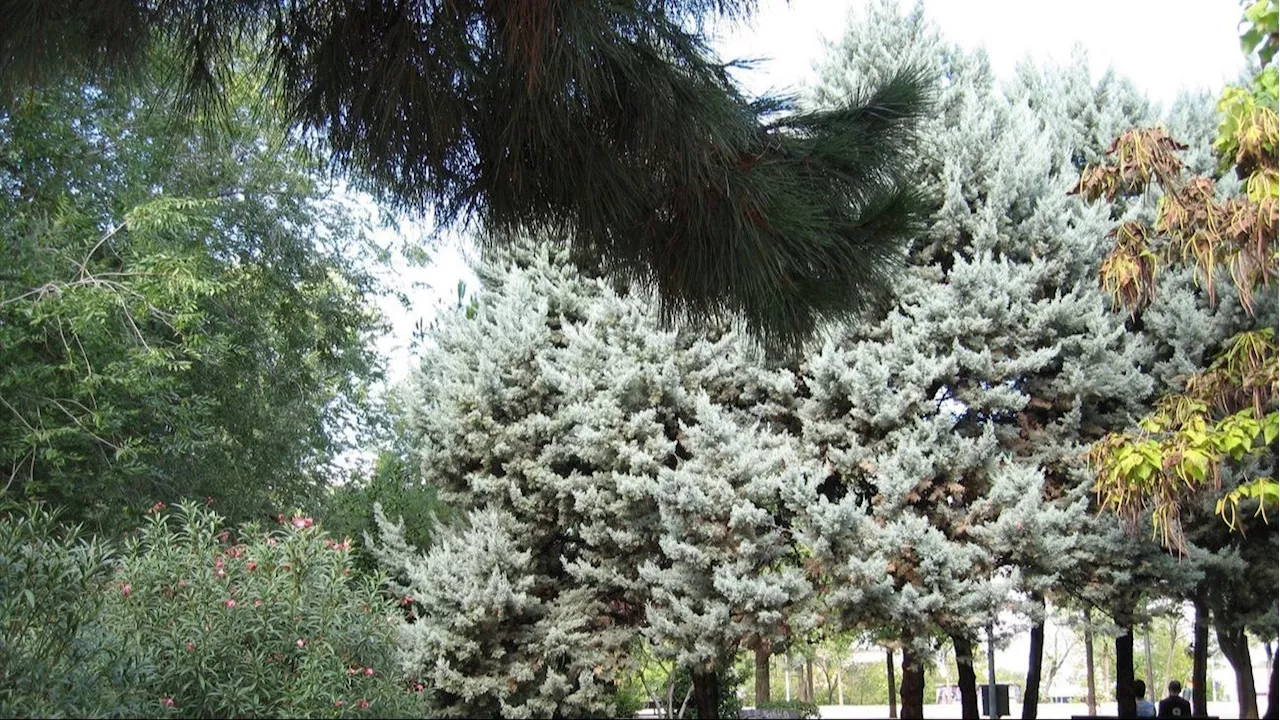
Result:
x=181 y=311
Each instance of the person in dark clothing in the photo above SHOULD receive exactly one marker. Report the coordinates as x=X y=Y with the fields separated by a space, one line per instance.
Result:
x=1174 y=706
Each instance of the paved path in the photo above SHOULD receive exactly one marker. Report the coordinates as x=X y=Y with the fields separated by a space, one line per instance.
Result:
x=1048 y=711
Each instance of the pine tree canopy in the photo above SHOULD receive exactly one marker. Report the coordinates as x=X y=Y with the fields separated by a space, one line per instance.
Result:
x=608 y=123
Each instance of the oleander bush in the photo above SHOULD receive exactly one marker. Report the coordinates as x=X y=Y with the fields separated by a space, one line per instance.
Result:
x=53 y=658
x=192 y=619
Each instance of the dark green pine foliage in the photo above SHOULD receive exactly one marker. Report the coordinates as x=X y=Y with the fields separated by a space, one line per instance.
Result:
x=610 y=124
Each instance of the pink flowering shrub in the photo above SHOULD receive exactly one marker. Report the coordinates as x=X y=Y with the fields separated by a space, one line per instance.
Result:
x=269 y=623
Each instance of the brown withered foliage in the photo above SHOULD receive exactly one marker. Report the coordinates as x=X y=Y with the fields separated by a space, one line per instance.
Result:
x=1128 y=272
x=1139 y=156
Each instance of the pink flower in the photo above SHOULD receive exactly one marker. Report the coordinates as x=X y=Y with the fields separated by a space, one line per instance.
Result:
x=167 y=702
x=271 y=542
x=251 y=565
x=338 y=703
x=220 y=573
x=302 y=522
x=407 y=601
x=362 y=704
x=351 y=671
x=182 y=584
x=301 y=643
x=156 y=508
x=126 y=590
x=191 y=647
x=231 y=603
x=368 y=672
x=257 y=602
x=417 y=687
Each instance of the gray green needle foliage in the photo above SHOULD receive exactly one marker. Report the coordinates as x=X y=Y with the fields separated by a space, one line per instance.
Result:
x=953 y=431
x=615 y=480
x=609 y=125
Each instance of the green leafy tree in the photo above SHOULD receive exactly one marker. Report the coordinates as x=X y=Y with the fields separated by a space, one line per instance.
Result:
x=609 y=124
x=181 y=310
x=394 y=482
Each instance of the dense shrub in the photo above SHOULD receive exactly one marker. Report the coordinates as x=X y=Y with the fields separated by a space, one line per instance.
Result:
x=271 y=623
x=53 y=658
x=190 y=621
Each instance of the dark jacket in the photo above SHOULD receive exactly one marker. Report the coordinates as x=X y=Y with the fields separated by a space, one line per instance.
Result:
x=1174 y=707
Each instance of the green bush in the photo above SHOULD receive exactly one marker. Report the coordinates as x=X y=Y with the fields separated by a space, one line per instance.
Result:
x=804 y=710
x=266 y=625
x=53 y=654
x=188 y=622
x=347 y=511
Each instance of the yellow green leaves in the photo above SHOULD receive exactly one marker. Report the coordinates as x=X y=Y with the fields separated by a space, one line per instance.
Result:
x=1180 y=448
x=1261 y=34
x=1270 y=428
x=1234 y=435
x=1264 y=490
x=1247 y=130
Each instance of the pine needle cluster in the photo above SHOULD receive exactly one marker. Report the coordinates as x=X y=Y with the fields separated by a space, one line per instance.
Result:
x=608 y=123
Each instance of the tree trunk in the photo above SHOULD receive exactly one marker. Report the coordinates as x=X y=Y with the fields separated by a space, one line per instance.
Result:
x=706 y=694
x=830 y=681
x=1235 y=647
x=912 y=685
x=966 y=677
x=1151 y=675
x=893 y=685
x=1126 y=702
x=1091 y=686
x=993 y=700
x=762 y=673
x=808 y=679
x=1035 y=662
x=1169 y=655
x=1200 y=659
x=1273 y=689
x=840 y=682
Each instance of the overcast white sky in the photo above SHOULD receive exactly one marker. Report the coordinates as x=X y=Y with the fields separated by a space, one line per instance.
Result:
x=1164 y=46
